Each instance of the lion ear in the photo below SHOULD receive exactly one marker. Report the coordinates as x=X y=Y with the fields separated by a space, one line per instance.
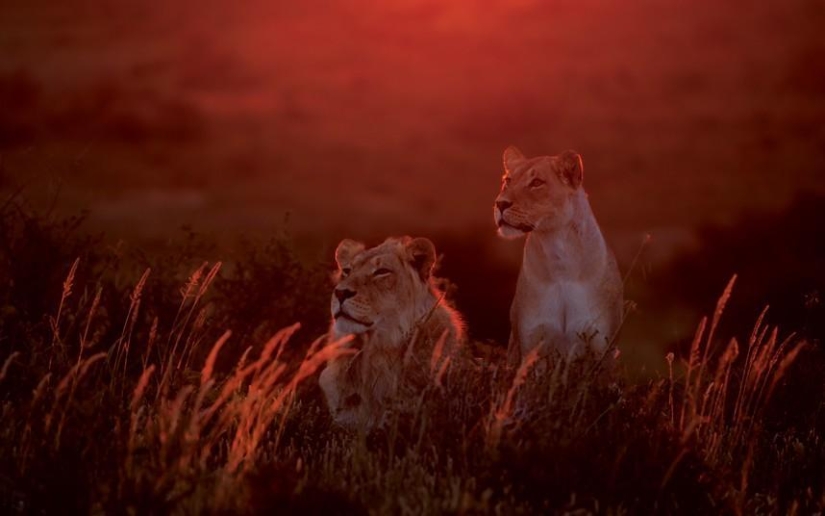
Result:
x=512 y=157
x=422 y=256
x=571 y=168
x=346 y=251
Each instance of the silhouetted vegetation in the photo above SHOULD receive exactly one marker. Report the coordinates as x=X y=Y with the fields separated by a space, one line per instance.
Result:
x=121 y=389
x=778 y=258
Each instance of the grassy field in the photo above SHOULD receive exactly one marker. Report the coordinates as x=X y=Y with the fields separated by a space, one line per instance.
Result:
x=390 y=118
x=134 y=383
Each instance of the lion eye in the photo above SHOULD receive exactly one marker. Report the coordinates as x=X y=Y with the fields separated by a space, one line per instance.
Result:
x=381 y=272
x=505 y=180
x=535 y=183
x=345 y=272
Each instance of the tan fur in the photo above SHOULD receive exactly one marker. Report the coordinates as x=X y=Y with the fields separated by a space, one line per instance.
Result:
x=569 y=291
x=387 y=299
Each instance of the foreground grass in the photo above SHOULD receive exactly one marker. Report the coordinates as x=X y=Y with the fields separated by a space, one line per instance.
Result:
x=126 y=399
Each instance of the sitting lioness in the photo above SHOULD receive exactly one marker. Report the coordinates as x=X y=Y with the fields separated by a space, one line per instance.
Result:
x=402 y=329
x=569 y=292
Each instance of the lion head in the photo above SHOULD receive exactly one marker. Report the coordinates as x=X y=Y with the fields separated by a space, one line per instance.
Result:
x=385 y=288
x=536 y=193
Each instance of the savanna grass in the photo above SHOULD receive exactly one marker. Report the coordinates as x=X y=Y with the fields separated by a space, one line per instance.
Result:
x=110 y=408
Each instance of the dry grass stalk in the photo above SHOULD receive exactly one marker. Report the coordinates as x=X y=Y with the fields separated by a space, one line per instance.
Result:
x=68 y=283
x=501 y=414
x=84 y=342
x=688 y=400
x=73 y=377
x=7 y=364
x=669 y=358
x=179 y=326
x=150 y=343
x=717 y=315
x=141 y=386
x=123 y=343
x=206 y=372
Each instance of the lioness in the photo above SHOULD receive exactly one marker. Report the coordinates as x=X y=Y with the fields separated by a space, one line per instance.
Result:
x=386 y=297
x=569 y=291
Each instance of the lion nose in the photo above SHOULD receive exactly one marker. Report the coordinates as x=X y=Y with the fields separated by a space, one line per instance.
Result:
x=503 y=205
x=343 y=294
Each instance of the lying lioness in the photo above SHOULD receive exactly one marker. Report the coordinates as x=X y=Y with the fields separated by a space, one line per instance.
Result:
x=569 y=291
x=403 y=330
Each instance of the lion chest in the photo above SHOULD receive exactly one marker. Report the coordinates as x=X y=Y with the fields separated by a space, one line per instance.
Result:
x=557 y=314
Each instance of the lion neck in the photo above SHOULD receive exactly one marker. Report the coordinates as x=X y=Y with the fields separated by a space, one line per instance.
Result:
x=569 y=252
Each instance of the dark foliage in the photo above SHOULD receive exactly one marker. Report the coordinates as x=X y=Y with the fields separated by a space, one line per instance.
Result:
x=778 y=258
x=577 y=438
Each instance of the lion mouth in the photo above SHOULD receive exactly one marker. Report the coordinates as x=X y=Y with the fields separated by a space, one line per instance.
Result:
x=526 y=228
x=342 y=314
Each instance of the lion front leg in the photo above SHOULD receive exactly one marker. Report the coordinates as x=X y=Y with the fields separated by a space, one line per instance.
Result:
x=330 y=384
x=340 y=382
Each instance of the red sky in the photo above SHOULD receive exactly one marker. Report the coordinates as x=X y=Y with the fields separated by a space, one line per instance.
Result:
x=366 y=119
x=371 y=118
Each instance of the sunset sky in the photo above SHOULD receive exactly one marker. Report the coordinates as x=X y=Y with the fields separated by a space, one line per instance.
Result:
x=386 y=117
x=366 y=119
